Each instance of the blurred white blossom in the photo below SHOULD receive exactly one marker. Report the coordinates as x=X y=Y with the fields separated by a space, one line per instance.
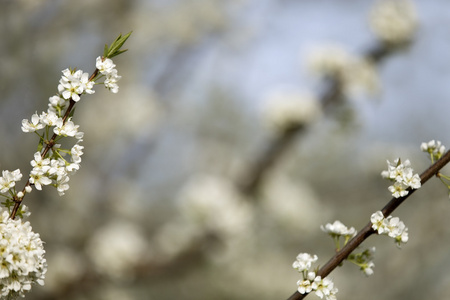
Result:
x=394 y=21
x=214 y=205
x=67 y=266
x=293 y=204
x=207 y=205
x=285 y=109
x=356 y=74
x=117 y=248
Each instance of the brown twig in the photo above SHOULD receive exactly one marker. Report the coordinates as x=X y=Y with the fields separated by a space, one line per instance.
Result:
x=332 y=96
x=367 y=230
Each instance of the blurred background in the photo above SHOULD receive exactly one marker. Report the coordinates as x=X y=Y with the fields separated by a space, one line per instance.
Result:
x=240 y=127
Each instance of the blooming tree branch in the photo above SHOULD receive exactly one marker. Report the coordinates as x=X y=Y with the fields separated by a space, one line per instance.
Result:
x=368 y=230
x=22 y=262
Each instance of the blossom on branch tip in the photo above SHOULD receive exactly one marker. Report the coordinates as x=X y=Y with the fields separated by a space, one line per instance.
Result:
x=104 y=66
x=107 y=68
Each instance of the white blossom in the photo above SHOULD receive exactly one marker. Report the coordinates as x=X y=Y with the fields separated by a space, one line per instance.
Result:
x=403 y=177
x=65 y=129
x=104 y=66
x=286 y=109
x=304 y=261
x=356 y=75
x=38 y=178
x=62 y=185
x=394 y=21
x=434 y=148
x=76 y=152
x=22 y=262
x=57 y=104
x=39 y=164
x=338 y=229
x=111 y=81
x=32 y=126
x=324 y=288
x=74 y=83
x=9 y=179
x=391 y=226
x=107 y=68
x=49 y=118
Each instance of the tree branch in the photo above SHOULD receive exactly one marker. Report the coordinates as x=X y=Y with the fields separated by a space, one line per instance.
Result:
x=367 y=230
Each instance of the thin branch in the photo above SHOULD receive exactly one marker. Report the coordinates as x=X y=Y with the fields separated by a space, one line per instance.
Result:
x=332 y=96
x=367 y=230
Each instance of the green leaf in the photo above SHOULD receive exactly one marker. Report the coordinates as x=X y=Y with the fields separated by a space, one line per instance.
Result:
x=115 y=48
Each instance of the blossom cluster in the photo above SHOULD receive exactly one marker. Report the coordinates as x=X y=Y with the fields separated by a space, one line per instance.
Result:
x=53 y=168
x=434 y=148
x=8 y=180
x=355 y=74
x=394 y=21
x=361 y=259
x=403 y=177
x=322 y=287
x=390 y=226
x=106 y=67
x=22 y=261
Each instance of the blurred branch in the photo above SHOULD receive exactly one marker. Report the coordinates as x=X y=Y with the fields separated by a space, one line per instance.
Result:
x=367 y=231
x=333 y=96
